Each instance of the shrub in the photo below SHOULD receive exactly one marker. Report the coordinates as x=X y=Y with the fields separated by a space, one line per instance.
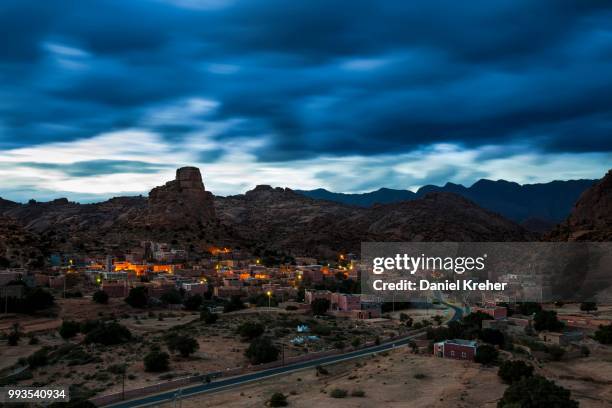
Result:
x=492 y=336
x=536 y=391
x=261 y=350
x=512 y=371
x=39 y=358
x=356 y=342
x=38 y=299
x=419 y=376
x=529 y=308
x=172 y=297
x=556 y=353
x=109 y=334
x=250 y=330
x=278 y=399
x=208 y=317
x=235 y=303
x=604 y=334
x=320 y=306
x=486 y=354
x=156 y=361
x=193 y=302
x=117 y=369
x=100 y=296
x=14 y=335
x=137 y=297
x=321 y=370
x=340 y=345
x=185 y=345
x=89 y=325
x=69 y=329
x=584 y=351
x=358 y=393
x=321 y=330
x=338 y=393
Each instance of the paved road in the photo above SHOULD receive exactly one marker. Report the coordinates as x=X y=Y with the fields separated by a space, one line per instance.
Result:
x=259 y=375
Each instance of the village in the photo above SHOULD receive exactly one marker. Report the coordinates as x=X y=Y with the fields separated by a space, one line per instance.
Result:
x=179 y=318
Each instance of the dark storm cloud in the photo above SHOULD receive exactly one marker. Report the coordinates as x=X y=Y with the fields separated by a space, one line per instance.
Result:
x=311 y=78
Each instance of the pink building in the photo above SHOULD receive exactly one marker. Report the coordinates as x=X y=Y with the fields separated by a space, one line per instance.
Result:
x=310 y=295
x=345 y=302
x=457 y=348
x=367 y=310
x=225 y=292
x=115 y=289
x=195 y=288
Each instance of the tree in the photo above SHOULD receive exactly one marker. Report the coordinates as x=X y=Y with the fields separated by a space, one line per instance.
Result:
x=475 y=319
x=39 y=358
x=536 y=392
x=101 y=297
x=156 y=361
x=208 y=317
x=193 y=302
x=235 y=303
x=109 y=334
x=14 y=335
x=185 y=345
x=261 y=350
x=486 y=354
x=320 y=306
x=604 y=334
x=69 y=329
x=250 y=330
x=172 y=297
x=278 y=399
x=588 y=306
x=38 y=299
x=547 y=320
x=492 y=336
x=138 y=297
x=529 y=308
x=512 y=371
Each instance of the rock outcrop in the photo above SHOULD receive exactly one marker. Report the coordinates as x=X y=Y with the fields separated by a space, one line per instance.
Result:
x=591 y=218
x=182 y=201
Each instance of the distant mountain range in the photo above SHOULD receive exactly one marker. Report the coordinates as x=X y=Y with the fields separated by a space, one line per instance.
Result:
x=538 y=207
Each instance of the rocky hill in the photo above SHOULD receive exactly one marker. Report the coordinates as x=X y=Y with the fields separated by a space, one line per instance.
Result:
x=283 y=219
x=591 y=217
x=184 y=213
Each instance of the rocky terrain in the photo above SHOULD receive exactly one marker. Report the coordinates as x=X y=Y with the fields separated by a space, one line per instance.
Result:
x=184 y=213
x=591 y=217
x=289 y=221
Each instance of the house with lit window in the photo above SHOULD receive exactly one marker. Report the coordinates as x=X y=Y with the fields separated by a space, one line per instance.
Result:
x=458 y=349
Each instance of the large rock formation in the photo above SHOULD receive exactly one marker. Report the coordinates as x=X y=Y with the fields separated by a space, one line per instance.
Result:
x=591 y=218
x=182 y=201
x=281 y=219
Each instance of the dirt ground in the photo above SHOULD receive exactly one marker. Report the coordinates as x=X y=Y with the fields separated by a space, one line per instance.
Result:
x=387 y=380
x=589 y=379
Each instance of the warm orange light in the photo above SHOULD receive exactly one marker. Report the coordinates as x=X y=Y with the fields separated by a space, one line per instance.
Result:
x=269 y=293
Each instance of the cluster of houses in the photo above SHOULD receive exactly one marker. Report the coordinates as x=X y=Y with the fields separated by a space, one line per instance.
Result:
x=462 y=349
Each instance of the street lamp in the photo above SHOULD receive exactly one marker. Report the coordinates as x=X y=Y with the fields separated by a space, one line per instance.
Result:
x=269 y=293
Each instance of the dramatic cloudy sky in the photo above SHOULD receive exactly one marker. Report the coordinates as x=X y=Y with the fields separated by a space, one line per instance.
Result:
x=101 y=98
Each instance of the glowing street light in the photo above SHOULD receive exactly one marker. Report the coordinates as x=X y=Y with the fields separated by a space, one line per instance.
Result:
x=269 y=293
